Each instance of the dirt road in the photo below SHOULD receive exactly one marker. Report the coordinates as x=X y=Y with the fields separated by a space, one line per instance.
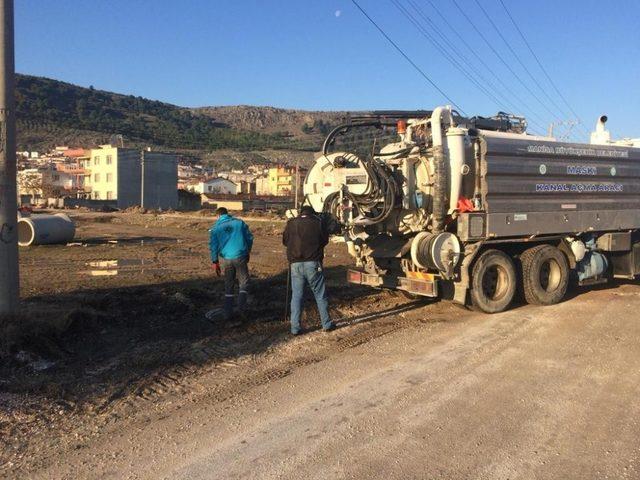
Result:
x=531 y=393
x=141 y=386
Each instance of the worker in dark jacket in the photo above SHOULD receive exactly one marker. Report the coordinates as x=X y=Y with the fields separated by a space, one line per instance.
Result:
x=230 y=242
x=305 y=238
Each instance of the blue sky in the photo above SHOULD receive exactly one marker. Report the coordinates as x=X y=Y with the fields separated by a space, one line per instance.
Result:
x=325 y=55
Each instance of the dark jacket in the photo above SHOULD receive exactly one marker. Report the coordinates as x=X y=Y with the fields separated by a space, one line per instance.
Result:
x=305 y=238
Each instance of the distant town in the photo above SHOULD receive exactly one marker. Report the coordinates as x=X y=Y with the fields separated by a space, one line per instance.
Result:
x=112 y=177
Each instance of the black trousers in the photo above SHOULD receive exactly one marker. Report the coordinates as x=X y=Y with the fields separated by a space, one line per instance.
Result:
x=235 y=269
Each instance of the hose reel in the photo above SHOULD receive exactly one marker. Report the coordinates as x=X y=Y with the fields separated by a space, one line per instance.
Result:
x=436 y=251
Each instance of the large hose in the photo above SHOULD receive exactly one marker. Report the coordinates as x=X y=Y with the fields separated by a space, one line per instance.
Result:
x=440 y=187
x=379 y=198
x=441 y=184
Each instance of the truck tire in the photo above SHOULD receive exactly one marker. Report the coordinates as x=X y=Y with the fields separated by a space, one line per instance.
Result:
x=545 y=275
x=493 y=282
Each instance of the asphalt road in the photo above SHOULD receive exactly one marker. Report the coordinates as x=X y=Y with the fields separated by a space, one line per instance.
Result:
x=535 y=392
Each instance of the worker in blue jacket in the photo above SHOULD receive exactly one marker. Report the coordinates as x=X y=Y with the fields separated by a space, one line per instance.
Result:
x=230 y=243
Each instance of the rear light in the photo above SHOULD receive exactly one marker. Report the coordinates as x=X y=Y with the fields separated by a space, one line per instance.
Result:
x=354 y=277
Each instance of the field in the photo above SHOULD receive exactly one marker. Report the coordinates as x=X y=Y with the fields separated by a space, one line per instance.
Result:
x=112 y=370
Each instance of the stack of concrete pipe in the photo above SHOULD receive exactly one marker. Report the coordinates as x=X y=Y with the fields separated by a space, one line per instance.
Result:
x=45 y=230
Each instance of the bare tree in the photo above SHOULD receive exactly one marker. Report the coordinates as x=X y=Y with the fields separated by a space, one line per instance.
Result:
x=38 y=184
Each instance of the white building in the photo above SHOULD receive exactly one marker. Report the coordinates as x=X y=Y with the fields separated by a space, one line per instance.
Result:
x=216 y=185
x=132 y=177
x=262 y=185
x=44 y=182
x=246 y=182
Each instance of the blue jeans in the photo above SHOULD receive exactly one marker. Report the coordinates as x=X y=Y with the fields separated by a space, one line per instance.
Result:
x=312 y=273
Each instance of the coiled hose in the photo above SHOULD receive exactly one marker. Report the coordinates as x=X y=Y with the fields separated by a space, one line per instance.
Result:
x=381 y=194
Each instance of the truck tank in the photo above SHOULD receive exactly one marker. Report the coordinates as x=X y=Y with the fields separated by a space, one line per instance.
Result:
x=545 y=187
x=420 y=208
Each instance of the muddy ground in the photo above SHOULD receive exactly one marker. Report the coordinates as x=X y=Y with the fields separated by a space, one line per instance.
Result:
x=120 y=315
x=122 y=376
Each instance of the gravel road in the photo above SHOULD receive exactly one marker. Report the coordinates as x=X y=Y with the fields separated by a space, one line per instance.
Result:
x=432 y=392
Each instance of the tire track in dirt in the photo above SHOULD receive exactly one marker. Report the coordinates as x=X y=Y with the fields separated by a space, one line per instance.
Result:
x=213 y=368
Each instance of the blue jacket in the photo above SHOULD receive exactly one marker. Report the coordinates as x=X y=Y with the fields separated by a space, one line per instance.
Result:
x=229 y=238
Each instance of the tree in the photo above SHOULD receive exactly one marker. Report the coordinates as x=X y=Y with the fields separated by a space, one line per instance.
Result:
x=38 y=184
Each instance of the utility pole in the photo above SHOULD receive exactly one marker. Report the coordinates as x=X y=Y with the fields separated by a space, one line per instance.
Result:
x=297 y=183
x=142 y=178
x=9 y=278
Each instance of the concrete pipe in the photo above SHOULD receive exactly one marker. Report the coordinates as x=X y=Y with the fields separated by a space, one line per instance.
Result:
x=45 y=230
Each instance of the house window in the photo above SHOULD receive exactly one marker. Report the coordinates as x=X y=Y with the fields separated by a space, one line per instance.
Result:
x=96 y=160
x=96 y=195
x=108 y=159
x=96 y=177
x=109 y=177
x=109 y=195
x=210 y=188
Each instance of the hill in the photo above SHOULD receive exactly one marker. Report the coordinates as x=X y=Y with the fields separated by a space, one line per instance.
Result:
x=301 y=124
x=51 y=112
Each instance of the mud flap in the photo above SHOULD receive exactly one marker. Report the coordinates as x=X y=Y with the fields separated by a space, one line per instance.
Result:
x=461 y=287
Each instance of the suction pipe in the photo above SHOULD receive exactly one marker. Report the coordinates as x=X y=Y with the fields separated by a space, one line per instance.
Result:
x=441 y=184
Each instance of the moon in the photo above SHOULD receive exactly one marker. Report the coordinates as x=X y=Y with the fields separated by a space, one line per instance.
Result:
x=338 y=13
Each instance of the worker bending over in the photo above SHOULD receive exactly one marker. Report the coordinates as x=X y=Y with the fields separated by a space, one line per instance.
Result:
x=230 y=242
x=305 y=238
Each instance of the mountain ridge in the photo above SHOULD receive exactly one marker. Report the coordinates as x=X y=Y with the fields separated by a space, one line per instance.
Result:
x=51 y=112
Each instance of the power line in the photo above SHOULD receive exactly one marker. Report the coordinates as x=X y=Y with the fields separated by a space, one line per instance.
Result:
x=517 y=57
x=451 y=58
x=406 y=57
x=444 y=53
x=504 y=62
x=478 y=57
x=544 y=70
x=465 y=60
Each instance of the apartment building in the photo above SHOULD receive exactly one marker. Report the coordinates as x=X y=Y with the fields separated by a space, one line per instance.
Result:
x=132 y=177
x=280 y=181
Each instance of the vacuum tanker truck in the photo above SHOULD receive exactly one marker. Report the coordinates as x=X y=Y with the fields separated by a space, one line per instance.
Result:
x=476 y=210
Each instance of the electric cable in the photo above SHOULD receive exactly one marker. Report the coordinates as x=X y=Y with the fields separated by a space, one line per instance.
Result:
x=444 y=53
x=504 y=62
x=530 y=112
x=516 y=56
x=452 y=59
x=544 y=70
x=519 y=60
x=406 y=57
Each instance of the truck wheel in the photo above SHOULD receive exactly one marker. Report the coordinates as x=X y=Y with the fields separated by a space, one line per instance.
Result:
x=545 y=275
x=493 y=282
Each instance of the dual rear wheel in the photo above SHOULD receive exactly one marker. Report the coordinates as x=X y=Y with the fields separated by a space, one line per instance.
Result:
x=543 y=278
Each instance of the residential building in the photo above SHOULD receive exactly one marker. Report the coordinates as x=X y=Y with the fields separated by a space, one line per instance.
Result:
x=132 y=177
x=262 y=185
x=44 y=182
x=215 y=185
x=281 y=181
x=246 y=182
x=74 y=164
x=159 y=173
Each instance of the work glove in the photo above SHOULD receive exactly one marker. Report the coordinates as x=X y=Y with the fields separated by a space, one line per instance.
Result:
x=216 y=268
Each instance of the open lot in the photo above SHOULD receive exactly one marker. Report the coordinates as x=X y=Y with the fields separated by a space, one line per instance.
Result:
x=122 y=376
